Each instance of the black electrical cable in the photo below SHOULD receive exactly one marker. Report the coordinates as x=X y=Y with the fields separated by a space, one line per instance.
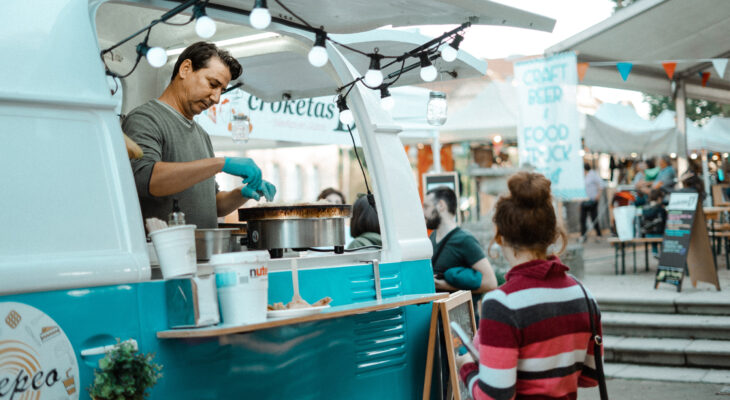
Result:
x=293 y=14
x=346 y=250
x=371 y=198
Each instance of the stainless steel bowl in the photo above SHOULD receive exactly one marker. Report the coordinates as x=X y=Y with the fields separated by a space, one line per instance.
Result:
x=212 y=241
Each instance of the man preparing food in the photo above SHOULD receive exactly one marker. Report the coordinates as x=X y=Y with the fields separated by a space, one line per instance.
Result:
x=178 y=156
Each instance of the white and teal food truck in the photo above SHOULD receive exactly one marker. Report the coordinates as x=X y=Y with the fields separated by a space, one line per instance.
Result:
x=75 y=273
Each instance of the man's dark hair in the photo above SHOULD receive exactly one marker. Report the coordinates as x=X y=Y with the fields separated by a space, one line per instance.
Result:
x=447 y=195
x=650 y=163
x=201 y=52
x=586 y=167
x=364 y=218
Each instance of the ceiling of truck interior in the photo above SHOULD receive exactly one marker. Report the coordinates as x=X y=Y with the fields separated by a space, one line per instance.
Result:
x=268 y=61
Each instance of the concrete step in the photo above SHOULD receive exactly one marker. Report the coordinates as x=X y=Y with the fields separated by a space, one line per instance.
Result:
x=669 y=374
x=668 y=352
x=665 y=304
x=714 y=327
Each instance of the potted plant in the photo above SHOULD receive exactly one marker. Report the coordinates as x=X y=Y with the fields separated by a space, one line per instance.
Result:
x=124 y=374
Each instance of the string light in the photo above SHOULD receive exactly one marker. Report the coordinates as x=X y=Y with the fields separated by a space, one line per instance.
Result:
x=374 y=77
x=346 y=116
x=156 y=56
x=450 y=52
x=386 y=100
x=204 y=25
x=260 y=17
x=428 y=71
x=318 y=54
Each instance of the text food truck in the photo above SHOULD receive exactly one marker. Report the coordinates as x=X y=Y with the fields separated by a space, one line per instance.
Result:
x=75 y=269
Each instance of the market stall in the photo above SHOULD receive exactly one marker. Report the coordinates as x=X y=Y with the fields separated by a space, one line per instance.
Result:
x=90 y=279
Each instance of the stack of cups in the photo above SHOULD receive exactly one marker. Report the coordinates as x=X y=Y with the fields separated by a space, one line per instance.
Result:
x=242 y=280
x=175 y=248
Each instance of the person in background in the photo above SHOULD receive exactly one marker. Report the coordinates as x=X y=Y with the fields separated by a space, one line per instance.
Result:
x=654 y=218
x=639 y=175
x=333 y=196
x=666 y=176
x=534 y=336
x=594 y=186
x=178 y=158
x=458 y=260
x=364 y=225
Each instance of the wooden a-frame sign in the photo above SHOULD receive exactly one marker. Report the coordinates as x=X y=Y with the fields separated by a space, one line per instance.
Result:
x=686 y=242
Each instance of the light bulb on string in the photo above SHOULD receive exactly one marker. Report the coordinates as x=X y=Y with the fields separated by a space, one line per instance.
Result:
x=428 y=71
x=346 y=116
x=374 y=77
x=260 y=17
x=449 y=52
x=318 y=54
x=156 y=56
x=386 y=100
x=204 y=25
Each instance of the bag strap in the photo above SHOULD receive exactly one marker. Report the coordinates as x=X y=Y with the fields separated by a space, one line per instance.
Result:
x=597 y=341
x=441 y=246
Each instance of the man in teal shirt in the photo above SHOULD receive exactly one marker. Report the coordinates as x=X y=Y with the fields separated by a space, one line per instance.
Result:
x=458 y=259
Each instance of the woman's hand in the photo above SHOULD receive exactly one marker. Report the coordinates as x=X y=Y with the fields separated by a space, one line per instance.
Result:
x=462 y=359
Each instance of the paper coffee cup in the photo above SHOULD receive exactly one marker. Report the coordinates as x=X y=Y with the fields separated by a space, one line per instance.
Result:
x=175 y=248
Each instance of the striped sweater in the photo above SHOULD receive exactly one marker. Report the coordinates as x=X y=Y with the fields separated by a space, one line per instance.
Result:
x=534 y=337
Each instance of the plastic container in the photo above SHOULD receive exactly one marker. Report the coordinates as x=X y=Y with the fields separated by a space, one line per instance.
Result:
x=242 y=280
x=175 y=248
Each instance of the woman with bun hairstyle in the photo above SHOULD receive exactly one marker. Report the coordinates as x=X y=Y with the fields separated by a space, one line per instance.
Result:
x=534 y=335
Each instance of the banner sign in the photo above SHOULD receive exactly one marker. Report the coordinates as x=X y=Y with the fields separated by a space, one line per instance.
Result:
x=312 y=121
x=548 y=131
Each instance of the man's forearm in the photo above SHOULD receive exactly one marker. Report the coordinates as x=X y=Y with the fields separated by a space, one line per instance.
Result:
x=174 y=177
x=227 y=202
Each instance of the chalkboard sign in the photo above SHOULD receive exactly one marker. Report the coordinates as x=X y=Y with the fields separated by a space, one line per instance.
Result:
x=457 y=307
x=685 y=245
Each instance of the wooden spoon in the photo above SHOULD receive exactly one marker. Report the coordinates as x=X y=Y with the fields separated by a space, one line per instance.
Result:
x=297 y=301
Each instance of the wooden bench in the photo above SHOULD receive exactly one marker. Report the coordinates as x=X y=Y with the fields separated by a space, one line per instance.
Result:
x=620 y=246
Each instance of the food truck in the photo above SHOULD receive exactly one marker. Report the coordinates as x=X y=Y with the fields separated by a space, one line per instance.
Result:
x=75 y=272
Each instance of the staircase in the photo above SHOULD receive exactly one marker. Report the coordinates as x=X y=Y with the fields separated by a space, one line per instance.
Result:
x=666 y=339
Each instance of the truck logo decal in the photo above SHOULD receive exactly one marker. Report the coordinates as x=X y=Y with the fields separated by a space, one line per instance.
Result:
x=37 y=360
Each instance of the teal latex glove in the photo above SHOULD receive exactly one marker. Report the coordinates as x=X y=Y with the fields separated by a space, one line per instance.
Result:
x=268 y=190
x=463 y=278
x=245 y=168
x=250 y=192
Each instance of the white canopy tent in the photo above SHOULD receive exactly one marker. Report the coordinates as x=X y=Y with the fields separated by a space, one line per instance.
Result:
x=618 y=129
x=713 y=136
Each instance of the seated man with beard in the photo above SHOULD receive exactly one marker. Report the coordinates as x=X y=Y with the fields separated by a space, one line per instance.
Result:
x=458 y=259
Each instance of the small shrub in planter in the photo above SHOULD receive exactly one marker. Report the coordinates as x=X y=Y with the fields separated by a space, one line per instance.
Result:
x=124 y=374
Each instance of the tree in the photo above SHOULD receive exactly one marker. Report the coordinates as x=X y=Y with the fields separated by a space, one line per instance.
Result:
x=698 y=111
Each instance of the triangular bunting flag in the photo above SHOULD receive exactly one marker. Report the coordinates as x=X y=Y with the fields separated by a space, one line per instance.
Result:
x=669 y=68
x=705 y=78
x=720 y=64
x=624 y=69
x=582 y=68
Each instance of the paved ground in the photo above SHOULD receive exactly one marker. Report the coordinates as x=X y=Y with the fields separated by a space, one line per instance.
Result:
x=599 y=275
x=621 y=389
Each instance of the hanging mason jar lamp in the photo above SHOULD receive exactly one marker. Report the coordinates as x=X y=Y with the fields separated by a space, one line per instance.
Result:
x=437 y=107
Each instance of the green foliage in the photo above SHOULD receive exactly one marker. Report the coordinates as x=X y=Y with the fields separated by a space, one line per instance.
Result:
x=124 y=374
x=698 y=111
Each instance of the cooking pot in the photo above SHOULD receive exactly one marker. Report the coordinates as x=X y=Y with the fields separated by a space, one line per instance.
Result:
x=275 y=228
x=212 y=241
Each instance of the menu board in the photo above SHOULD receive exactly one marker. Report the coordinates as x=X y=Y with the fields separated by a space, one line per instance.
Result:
x=685 y=246
x=457 y=307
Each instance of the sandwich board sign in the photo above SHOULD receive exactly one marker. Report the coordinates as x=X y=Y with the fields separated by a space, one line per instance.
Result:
x=686 y=244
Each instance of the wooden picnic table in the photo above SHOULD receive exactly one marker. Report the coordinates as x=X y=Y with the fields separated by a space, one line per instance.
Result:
x=620 y=246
